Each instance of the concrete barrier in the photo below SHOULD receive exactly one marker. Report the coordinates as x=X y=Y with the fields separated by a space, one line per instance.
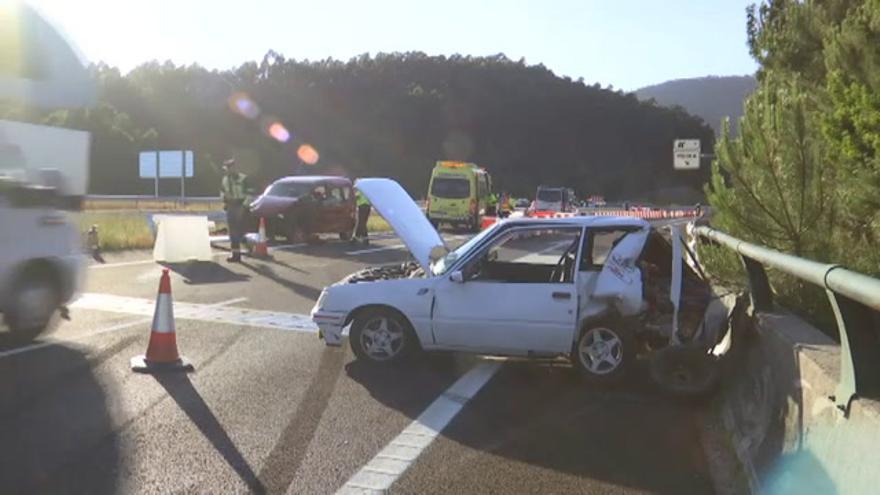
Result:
x=786 y=430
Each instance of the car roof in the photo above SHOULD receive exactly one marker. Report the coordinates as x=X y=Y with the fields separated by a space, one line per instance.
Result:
x=581 y=221
x=313 y=179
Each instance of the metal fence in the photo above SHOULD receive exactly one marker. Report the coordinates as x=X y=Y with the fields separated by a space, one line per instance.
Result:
x=854 y=298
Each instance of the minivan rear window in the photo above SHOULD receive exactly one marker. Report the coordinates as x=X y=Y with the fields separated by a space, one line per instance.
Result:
x=450 y=188
x=550 y=195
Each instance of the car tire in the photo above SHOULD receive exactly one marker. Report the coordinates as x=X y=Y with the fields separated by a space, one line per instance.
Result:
x=686 y=371
x=345 y=236
x=33 y=303
x=293 y=233
x=382 y=336
x=604 y=351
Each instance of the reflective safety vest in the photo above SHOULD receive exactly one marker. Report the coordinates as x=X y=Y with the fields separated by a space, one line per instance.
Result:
x=493 y=199
x=235 y=188
x=361 y=199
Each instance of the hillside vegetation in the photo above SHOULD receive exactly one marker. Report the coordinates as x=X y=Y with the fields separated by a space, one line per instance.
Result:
x=711 y=98
x=389 y=115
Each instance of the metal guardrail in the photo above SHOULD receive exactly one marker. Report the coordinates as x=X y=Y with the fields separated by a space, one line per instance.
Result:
x=854 y=298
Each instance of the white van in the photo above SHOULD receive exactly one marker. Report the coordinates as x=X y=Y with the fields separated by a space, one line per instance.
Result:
x=43 y=179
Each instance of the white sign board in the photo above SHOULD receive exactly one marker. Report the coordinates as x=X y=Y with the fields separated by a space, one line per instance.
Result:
x=686 y=154
x=170 y=164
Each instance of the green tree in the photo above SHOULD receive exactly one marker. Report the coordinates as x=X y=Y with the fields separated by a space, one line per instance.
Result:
x=770 y=184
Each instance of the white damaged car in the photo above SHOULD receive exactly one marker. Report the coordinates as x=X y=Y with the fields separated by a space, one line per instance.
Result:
x=581 y=287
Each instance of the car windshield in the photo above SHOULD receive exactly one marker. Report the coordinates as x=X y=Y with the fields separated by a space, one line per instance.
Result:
x=550 y=195
x=451 y=188
x=443 y=265
x=289 y=189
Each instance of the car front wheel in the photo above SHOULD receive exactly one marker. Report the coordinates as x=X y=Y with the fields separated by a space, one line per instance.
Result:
x=34 y=302
x=604 y=351
x=381 y=336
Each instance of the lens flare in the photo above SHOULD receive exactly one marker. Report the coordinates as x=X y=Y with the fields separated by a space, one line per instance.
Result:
x=307 y=154
x=279 y=132
x=241 y=104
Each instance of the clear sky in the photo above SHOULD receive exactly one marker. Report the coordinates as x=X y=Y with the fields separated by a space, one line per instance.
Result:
x=624 y=43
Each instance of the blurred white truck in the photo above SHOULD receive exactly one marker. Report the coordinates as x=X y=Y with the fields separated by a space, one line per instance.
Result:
x=43 y=174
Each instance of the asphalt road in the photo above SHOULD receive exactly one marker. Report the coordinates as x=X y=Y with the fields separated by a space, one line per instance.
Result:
x=270 y=409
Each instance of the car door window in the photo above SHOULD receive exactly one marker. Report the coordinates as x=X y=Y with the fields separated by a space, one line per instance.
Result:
x=528 y=256
x=334 y=197
x=598 y=244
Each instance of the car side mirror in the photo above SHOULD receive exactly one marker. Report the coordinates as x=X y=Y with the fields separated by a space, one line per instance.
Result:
x=457 y=277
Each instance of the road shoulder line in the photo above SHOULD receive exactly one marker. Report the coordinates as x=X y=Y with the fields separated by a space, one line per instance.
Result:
x=392 y=461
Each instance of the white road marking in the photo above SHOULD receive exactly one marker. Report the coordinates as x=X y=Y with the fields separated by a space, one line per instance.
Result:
x=391 y=462
x=200 y=312
x=120 y=326
x=376 y=249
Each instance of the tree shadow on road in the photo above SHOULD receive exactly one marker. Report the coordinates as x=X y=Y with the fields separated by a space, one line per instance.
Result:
x=542 y=414
x=306 y=291
x=56 y=433
x=184 y=394
x=204 y=272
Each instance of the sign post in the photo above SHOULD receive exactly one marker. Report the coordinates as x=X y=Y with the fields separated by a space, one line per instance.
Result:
x=686 y=154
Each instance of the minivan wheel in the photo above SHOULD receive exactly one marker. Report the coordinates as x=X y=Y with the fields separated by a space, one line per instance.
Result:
x=33 y=303
x=382 y=336
x=604 y=351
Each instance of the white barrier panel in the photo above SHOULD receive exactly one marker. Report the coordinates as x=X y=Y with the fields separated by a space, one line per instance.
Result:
x=181 y=238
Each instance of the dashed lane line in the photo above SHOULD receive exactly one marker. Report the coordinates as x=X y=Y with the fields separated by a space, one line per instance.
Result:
x=200 y=312
x=113 y=328
x=390 y=463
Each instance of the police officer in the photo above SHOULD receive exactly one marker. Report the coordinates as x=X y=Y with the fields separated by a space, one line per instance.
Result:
x=363 y=215
x=505 y=207
x=236 y=196
x=492 y=205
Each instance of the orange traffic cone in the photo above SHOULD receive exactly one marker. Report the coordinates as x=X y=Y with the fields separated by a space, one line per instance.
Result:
x=162 y=351
x=261 y=250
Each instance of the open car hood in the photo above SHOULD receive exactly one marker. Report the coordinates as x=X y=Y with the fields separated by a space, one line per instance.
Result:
x=404 y=216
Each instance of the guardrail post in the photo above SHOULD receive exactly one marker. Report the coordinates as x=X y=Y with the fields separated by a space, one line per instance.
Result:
x=759 y=285
x=859 y=351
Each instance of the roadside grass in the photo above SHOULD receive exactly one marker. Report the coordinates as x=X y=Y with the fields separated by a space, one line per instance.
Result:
x=150 y=205
x=377 y=224
x=122 y=230
x=118 y=231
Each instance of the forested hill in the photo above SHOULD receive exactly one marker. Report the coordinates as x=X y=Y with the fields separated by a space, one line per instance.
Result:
x=390 y=115
x=712 y=98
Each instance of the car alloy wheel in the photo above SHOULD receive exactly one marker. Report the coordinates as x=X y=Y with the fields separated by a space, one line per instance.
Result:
x=600 y=351
x=382 y=338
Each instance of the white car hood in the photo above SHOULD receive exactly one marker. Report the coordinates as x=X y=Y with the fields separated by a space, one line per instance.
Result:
x=404 y=216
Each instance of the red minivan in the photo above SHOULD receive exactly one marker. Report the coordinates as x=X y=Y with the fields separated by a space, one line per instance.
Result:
x=299 y=206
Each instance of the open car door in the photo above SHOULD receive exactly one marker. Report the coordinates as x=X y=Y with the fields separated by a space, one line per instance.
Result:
x=620 y=280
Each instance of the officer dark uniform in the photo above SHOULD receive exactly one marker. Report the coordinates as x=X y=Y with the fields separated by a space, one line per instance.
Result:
x=236 y=196
x=363 y=216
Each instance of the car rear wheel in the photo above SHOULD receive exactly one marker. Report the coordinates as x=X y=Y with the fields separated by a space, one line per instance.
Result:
x=32 y=304
x=382 y=336
x=293 y=233
x=604 y=351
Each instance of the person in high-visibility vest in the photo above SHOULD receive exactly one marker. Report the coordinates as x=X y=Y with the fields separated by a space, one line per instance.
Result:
x=363 y=216
x=492 y=205
x=236 y=195
x=505 y=208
